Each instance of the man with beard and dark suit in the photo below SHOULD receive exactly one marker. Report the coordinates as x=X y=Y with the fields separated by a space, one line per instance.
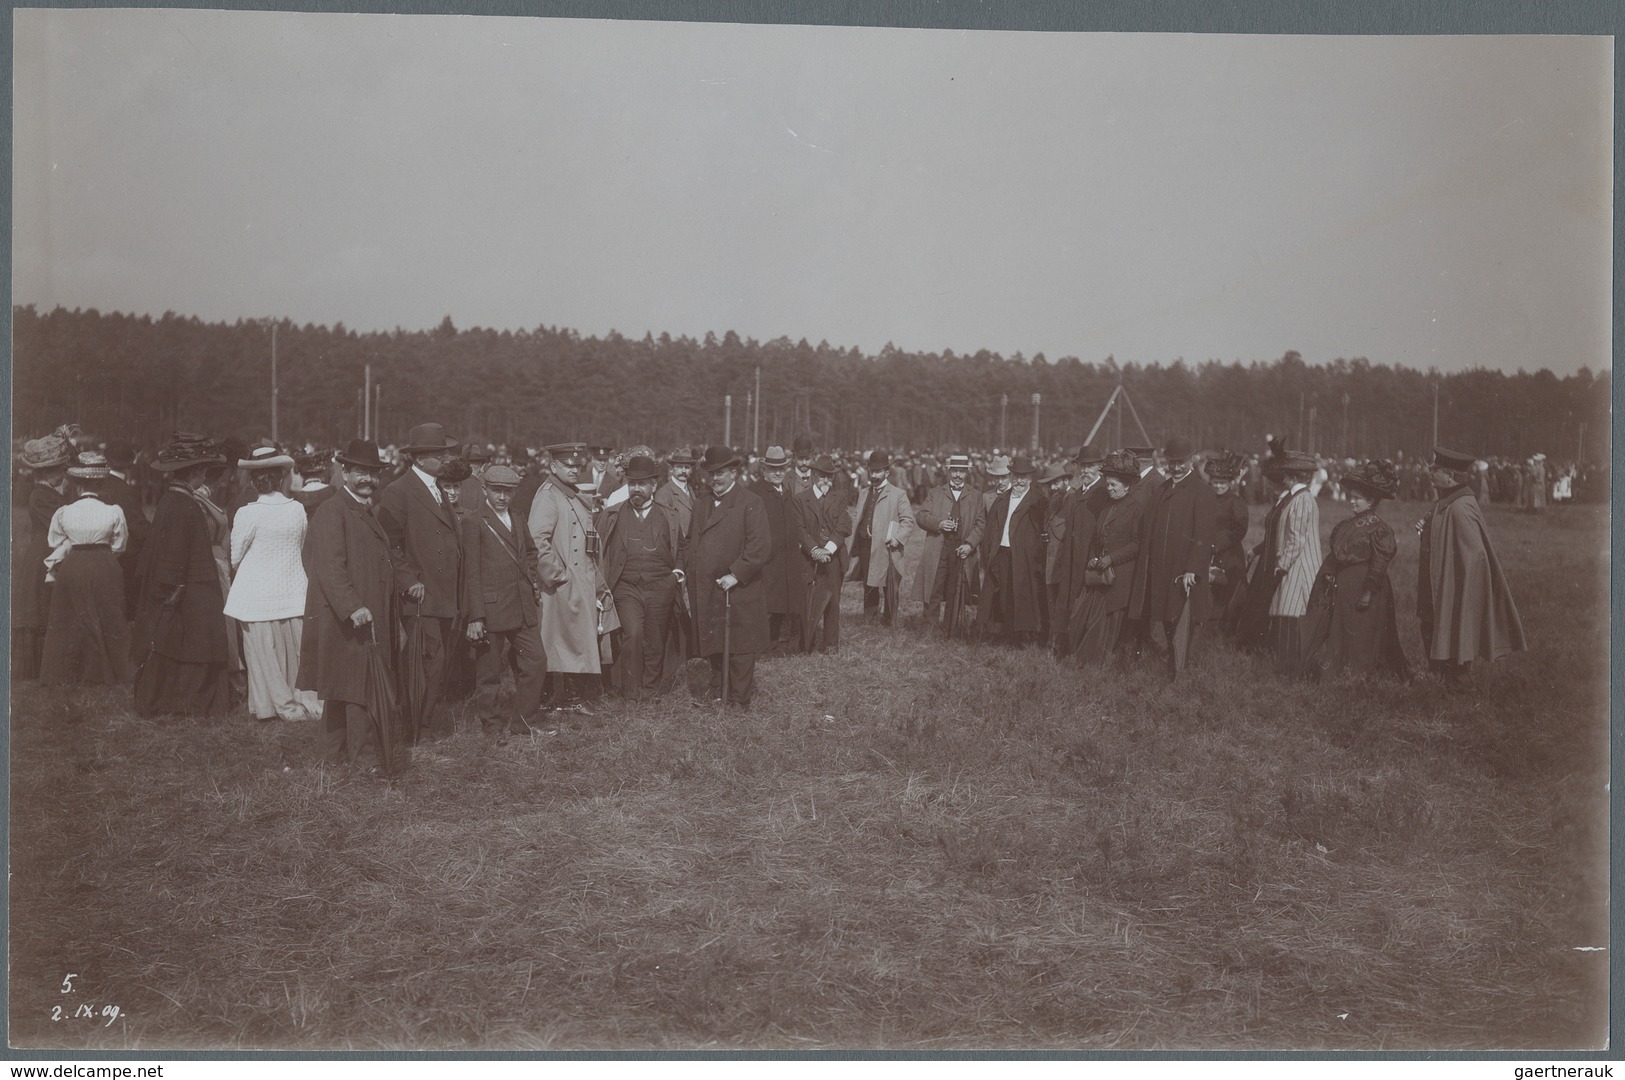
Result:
x=1013 y=598
x=427 y=551
x=1071 y=545
x=1176 y=549
x=825 y=525
x=501 y=592
x=729 y=543
x=350 y=603
x=952 y=516
x=784 y=578
x=643 y=557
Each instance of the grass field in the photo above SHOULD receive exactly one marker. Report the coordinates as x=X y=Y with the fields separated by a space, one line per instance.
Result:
x=912 y=845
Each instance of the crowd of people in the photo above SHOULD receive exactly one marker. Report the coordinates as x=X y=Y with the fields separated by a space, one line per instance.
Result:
x=367 y=589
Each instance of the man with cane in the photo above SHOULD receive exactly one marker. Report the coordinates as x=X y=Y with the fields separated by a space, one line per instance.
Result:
x=729 y=544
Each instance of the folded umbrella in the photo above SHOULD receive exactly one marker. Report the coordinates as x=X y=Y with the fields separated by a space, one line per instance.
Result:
x=380 y=694
x=414 y=679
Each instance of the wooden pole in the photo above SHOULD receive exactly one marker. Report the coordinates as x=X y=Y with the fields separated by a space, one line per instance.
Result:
x=273 y=384
x=366 y=403
x=727 y=419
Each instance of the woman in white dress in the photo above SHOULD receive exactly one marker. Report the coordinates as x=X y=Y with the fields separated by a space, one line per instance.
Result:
x=86 y=638
x=268 y=590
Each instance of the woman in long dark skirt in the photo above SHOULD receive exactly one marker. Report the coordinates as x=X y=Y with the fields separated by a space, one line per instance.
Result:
x=1350 y=623
x=46 y=460
x=180 y=634
x=87 y=640
x=1098 y=613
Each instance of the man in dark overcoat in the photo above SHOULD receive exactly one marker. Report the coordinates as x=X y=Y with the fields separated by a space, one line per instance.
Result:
x=350 y=602
x=1013 y=595
x=1070 y=546
x=1177 y=533
x=952 y=517
x=676 y=494
x=643 y=558
x=729 y=543
x=825 y=525
x=785 y=577
x=500 y=596
x=427 y=550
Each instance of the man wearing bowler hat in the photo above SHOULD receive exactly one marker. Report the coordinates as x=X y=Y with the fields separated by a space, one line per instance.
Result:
x=825 y=525
x=1170 y=574
x=574 y=594
x=351 y=600
x=785 y=577
x=501 y=591
x=884 y=522
x=728 y=545
x=643 y=557
x=801 y=476
x=424 y=538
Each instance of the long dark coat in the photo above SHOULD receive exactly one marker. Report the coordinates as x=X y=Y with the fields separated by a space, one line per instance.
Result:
x=1230 y=524
x=1025 y=590
x=732 y=538
x=784 y=578
x=347 y=566
x=1462 y=597
x=1072 y=548
x=822 y=521
x=500 y=581
x=424 y=544
x=31 y=597
x=179 y=551
x=1176 y=538
x=939 y=504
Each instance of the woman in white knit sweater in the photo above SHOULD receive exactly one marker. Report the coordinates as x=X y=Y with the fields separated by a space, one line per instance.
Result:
x=268 y=590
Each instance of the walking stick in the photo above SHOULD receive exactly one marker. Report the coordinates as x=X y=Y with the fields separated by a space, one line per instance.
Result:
x=727 y=641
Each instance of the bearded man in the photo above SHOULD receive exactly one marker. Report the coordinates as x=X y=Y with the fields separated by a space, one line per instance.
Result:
x=952 y=516
x=727 y=549
x=643 y=557
x=884 y=522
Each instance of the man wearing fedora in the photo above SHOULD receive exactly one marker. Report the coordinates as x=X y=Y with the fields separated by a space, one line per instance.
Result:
x=500 y=596
x=1084 y=503
x=825 y=526
x=884 y=521
x=1170 y=573
x=643 y=557
x=423 y=536
x=576 y=602
x=785 y=577
x=350 y=608
x=1462 y=598
x=1013 y=600
x=952 y=518
x=728 y=546
x=676 y=494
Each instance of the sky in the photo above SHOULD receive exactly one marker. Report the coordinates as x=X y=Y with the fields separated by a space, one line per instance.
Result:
x=1426 y=201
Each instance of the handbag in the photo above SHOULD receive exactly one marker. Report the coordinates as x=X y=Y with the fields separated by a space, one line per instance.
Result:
x=1098 y=578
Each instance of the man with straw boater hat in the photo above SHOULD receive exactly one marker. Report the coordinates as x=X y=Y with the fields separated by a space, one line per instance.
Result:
x=501 y=593
x=427 y=551
x=643 y=557
x=952 y=517
x=576 y=603
x=825 y=525
x=351 y=606
x=727 y=548
x=1170 y=574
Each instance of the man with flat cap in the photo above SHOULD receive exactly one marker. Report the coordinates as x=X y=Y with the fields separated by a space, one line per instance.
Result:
x=825 y=526
x=351 y=602
x=728 y=545
x=501 y=594
x=644 y=547
x=1176 y=547
x=1462 y=596
x=428 y=553
x=952 y=517
x=1071 y=545
x=784 y=578
x=884 y=522
x=574 y=594
x=1013 y=600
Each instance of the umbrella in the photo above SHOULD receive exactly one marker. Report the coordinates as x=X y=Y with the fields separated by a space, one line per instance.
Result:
x=958 y=610
x=1179 y=643
x=414 y=679
x=380 y=703
x=727 y=641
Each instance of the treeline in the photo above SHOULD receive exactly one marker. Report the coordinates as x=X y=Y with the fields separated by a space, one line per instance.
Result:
x=140 y=378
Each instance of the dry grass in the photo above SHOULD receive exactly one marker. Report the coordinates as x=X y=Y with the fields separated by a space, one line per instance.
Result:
x=913 y=845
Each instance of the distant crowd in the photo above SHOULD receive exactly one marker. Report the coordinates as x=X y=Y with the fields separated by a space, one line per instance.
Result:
x=366 y=588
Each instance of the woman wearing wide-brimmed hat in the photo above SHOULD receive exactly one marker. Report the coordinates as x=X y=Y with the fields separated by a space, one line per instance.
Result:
x=1098 y=612
x=87 y=640
x=268 y=589
x=181 y=631
x=46 y=460
x=1350 y=623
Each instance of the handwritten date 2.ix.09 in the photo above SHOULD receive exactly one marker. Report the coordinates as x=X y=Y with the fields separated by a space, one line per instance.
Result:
x=87 y=1012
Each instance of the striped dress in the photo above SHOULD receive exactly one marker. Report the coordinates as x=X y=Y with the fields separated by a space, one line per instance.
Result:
x=1297 y=553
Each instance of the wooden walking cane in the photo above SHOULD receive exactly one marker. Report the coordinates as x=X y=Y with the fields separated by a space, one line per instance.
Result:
x=727 y=642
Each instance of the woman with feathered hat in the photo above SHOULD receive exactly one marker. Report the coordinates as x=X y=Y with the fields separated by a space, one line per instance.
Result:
x=1350 y=623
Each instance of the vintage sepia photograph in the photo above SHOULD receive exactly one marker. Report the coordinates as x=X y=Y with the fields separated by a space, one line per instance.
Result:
x=553 y=534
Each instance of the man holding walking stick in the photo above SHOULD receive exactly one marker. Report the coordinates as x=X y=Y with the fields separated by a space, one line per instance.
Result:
x=729 y=544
